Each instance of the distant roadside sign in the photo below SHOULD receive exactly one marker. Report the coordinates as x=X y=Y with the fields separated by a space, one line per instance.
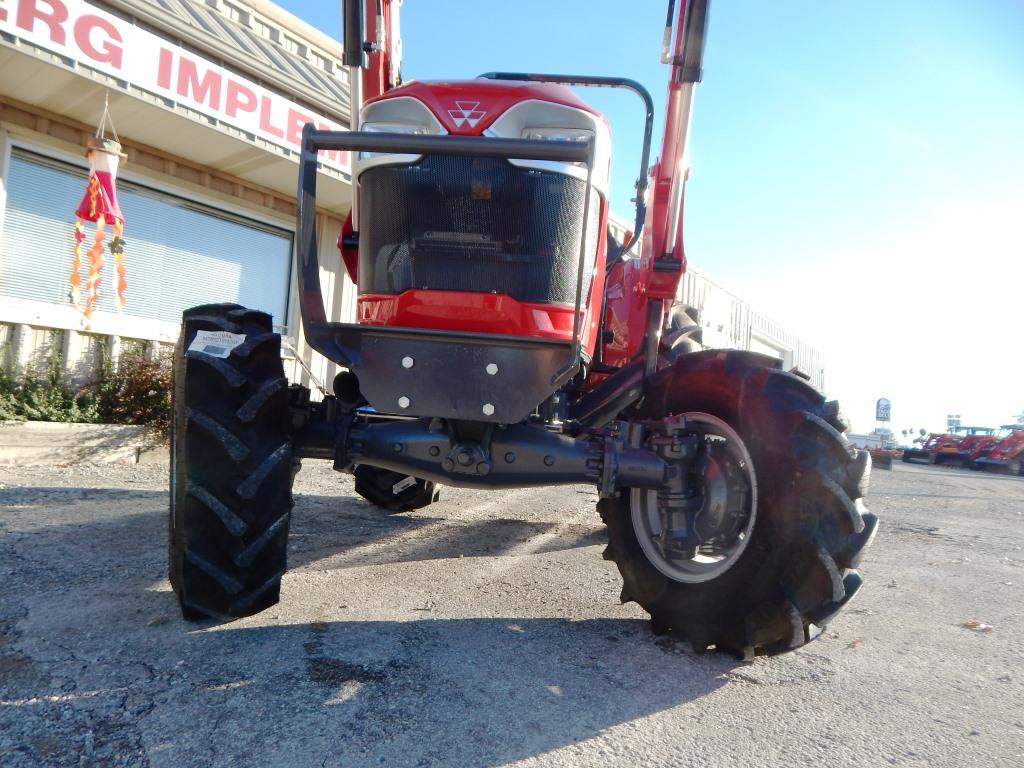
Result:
x=883 y=410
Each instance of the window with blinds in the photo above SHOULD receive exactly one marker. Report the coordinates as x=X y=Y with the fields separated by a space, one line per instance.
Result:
x=178 y=253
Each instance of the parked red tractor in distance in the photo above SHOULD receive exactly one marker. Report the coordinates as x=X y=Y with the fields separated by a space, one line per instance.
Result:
x=1006 y=456
x=937 y=448
x=977 y=446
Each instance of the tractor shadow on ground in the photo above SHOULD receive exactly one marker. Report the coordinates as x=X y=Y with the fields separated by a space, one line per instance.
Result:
x=449 y=692
x=342 y=532
x=97 y=654
x=474 y=692
x=47 y=498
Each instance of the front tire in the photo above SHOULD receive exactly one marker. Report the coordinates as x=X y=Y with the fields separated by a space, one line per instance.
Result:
x=231 y=466
x=805 y=523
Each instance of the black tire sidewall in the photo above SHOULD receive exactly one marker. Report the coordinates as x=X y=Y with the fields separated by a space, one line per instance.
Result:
x=199 y=461
x=715 y=384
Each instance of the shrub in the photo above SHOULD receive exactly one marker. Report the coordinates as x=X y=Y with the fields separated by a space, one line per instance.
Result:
x=44 y=396
x=138 y=391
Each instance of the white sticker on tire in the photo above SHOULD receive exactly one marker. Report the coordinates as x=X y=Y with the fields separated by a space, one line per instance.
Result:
x=401 y=485
x=216 y=343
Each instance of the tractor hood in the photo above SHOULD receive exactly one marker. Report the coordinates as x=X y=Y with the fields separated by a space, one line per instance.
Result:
x=484 y=107
x=469 y=107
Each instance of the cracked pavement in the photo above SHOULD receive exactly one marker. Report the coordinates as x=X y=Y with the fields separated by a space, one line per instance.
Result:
x=486 y=630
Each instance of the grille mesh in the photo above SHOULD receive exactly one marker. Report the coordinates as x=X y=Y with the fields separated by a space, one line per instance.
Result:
x=473 y=224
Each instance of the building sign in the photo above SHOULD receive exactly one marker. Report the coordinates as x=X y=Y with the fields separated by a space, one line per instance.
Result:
x=97 y=39
x=883 y=409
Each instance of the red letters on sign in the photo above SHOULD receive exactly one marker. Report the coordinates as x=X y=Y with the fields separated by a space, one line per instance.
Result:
x=205 y=90
x=265 y=123
x=239 y=99
x=29 y=13
x=108 y=49
x=88 y=34
x=108 y=52
x=163 y=71
x=296 y=121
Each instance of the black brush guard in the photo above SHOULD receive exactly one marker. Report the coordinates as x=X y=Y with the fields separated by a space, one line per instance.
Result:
x=456 y=440
x=437 y=373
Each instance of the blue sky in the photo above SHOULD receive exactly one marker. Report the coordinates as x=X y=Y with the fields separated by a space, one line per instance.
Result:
x=858 y=170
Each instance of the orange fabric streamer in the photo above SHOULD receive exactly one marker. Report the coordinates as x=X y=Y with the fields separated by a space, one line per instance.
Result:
x=92 y=285
x=94 y=197
x=117 y=249
x=76 y=265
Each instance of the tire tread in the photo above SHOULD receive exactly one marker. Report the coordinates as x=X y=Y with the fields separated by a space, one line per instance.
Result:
x=821 y=529
x=231 y=502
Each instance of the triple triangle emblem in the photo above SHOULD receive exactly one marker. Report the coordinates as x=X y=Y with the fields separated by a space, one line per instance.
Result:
x=466 y=112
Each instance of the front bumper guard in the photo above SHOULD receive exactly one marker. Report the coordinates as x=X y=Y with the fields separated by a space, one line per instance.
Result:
x=451 y=373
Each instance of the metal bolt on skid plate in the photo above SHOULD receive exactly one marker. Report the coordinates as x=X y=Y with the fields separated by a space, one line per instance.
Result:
x=479 y=242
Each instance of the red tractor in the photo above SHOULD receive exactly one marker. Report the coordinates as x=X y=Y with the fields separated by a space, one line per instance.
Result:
x=1006 y=456
x=975 y=447
x=937 y=448
x=505 y=340
x=961 y=449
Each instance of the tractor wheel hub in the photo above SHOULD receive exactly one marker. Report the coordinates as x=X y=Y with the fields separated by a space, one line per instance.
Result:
x=703 y=537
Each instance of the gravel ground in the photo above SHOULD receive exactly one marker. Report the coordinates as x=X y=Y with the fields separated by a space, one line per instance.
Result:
x=486 y=631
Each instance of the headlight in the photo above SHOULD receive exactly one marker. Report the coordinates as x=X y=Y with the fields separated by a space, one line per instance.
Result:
x=381 y=127
x=548 y=121
x=413 y=129
x=558 y=134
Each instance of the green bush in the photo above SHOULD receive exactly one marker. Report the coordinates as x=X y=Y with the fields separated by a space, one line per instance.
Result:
x=136 y=391
x=44 y=396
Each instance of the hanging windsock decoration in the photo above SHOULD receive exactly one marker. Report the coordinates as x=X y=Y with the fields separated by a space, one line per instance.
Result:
x=100 y=206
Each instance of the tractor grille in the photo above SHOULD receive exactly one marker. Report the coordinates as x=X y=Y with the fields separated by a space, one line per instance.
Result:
x=473 y=224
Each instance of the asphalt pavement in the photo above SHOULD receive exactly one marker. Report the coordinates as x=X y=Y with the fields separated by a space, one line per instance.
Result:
x=486 y=630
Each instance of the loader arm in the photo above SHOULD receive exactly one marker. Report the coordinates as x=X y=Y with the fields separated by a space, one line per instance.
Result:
x=683 y=48
x=372 y=49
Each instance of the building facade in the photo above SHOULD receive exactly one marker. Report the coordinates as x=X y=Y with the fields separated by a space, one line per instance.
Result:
x=209 y=99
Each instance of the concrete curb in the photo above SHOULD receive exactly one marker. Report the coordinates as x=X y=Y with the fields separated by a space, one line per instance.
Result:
x=48 y=443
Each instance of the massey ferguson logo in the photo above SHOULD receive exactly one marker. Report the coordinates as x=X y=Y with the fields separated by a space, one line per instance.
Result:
x=466 y=112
